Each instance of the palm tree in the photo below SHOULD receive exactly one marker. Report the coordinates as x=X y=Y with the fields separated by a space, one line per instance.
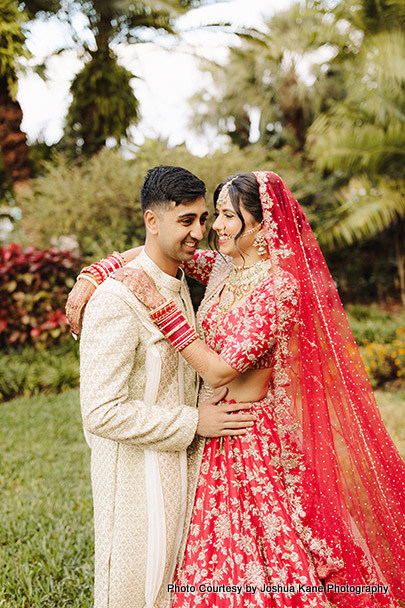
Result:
x=264 y=73
x=364 y=137
x=13 y=141
x=104 y=104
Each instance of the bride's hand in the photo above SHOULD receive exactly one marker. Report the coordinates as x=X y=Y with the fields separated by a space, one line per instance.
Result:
x=141 y=285
x=76 y=303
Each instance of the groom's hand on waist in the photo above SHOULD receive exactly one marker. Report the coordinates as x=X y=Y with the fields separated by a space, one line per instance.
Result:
x=214 y=419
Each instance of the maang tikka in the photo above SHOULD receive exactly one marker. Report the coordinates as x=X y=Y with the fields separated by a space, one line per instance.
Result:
x=222 y=196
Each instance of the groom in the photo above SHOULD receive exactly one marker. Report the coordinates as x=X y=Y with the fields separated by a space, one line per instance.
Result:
x=138 y=399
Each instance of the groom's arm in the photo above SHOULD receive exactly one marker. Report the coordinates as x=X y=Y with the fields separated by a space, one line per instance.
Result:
x=109 y=349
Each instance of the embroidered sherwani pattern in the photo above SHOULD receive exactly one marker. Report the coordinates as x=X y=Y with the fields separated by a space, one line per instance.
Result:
x=124 y=361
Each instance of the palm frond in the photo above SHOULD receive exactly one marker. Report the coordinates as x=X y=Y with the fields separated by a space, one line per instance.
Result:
x=384 y=56
x=365 y=211
x=365 y=132
x=357 y=148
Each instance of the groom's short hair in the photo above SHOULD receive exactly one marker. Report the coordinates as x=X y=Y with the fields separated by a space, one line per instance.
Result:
x=164 y=184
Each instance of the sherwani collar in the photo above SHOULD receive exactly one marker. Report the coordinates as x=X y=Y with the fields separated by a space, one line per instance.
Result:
x=162 y=279
x=175 y=288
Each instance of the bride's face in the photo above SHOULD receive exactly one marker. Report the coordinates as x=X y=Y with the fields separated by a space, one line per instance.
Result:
x=227 y=225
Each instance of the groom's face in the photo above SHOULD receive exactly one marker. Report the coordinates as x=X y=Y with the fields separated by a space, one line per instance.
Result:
x=181 y=228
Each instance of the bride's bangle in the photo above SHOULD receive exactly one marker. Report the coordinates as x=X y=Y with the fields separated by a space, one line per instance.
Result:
x=89 y=278
x=173 y=325
x=101 y=270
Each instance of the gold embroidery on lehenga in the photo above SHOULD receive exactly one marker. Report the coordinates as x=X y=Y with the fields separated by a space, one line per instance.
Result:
x=241 y=501
x=315 y=545
x=249 y=518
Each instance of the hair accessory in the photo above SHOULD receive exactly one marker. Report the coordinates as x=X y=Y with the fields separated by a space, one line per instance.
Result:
x=222 y=196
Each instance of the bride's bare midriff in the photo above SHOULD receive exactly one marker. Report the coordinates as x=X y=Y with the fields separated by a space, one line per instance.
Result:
x=250 y=386
x=253 y=384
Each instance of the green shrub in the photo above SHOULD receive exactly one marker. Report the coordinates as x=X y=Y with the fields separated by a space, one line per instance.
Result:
x=380 y=336
x=384 y=361
x=373 y=324
x=30 y=371
x=98 y=202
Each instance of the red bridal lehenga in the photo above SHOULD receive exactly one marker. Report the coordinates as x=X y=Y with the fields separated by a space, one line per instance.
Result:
x=307 y=509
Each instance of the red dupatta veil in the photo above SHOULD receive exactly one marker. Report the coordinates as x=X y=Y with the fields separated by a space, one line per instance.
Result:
x=351 y=507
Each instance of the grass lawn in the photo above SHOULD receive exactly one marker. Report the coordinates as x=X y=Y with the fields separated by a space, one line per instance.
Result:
x=46 y=530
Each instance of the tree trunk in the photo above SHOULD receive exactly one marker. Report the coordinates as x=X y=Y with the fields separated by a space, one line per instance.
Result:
x=291 y=108
x=400 y=255
x=13 y=142
x=240 y=135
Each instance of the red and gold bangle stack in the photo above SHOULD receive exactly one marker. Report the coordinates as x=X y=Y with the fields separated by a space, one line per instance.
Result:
x=173 y=325
x=101 y=270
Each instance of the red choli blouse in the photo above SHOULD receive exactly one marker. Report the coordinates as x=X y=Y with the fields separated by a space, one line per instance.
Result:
x=245 y=336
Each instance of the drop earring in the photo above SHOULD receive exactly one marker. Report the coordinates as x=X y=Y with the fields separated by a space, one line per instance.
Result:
x=261 y=243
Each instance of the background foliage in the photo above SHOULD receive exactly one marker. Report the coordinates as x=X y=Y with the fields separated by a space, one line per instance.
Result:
x=29 y=371
x=324 y=80
x=325 y=85
x=33 y=290
x=98 y=201
x=97 y=112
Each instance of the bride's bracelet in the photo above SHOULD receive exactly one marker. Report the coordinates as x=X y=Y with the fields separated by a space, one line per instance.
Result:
x=89 y=278
x=101 y=270
x=173 y=325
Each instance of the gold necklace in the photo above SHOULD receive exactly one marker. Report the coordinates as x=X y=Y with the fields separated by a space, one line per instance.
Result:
x=241 y=281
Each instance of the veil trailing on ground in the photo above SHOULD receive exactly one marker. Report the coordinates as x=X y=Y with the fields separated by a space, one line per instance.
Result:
x=350 y=509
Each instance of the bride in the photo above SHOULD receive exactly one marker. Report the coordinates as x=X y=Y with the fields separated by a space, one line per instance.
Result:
x=307 y=508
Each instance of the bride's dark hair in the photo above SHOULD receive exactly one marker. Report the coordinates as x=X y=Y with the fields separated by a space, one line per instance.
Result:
x=243 y=190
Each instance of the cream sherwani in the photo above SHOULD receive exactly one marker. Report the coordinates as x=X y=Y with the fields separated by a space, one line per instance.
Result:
x=138 y=400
